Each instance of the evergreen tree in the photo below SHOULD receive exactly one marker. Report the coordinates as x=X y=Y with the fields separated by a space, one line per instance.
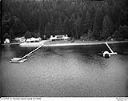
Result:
x=107 y=28
x=97 y=26
x=73 y=17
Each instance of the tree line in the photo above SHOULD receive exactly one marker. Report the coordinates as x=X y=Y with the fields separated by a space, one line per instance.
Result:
x=85 y=19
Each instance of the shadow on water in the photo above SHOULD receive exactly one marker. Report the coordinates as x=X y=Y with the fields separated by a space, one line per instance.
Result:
x=120 y=48
x=20 y=51
x=88 y=54
x=52 y=51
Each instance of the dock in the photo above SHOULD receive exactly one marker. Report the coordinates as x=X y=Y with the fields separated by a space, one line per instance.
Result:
x=23 y=59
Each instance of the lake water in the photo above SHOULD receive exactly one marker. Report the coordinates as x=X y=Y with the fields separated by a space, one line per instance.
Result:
x=65 y=71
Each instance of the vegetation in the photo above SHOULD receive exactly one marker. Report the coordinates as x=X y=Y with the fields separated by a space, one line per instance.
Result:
x=86 y=19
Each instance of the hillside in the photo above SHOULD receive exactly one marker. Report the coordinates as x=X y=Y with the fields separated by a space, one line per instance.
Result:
x=86 y=19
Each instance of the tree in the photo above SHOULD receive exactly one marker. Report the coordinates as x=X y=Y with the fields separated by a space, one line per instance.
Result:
x=18 y=28
x=97 y=26
x=77 y=22
x=73 y=17
x=89 y=19
x=28 y=34
x=6 y=35
x=123 y=32
x=36 y=34
x=107 y=28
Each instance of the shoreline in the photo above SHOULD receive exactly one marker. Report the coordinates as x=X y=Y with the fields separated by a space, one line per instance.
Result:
x=82 y=43
x=68 y=43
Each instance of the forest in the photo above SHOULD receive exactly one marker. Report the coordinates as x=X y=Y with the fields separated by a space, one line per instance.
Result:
x=80 y=19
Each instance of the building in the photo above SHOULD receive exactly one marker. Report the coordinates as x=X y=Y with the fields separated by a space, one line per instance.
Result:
x=20 y=39
x=33 y=39
x=7 y=40
x=59 y=37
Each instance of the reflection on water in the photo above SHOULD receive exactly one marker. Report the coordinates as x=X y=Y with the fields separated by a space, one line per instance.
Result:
x=65 y=71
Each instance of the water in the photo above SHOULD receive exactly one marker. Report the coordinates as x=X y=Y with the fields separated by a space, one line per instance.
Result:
x=65 y=71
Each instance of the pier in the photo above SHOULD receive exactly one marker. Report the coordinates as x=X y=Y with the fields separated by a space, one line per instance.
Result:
x=23 y=59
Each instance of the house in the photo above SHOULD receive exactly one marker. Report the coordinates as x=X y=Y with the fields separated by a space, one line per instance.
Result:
x=59 y=37
x=33 y=39
x=20 y=39
x=7 y=40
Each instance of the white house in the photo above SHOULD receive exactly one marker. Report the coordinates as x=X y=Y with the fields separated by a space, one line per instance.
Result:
x=59 y=37
x=7 y=40
x=20 y=39
x=33 y=39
